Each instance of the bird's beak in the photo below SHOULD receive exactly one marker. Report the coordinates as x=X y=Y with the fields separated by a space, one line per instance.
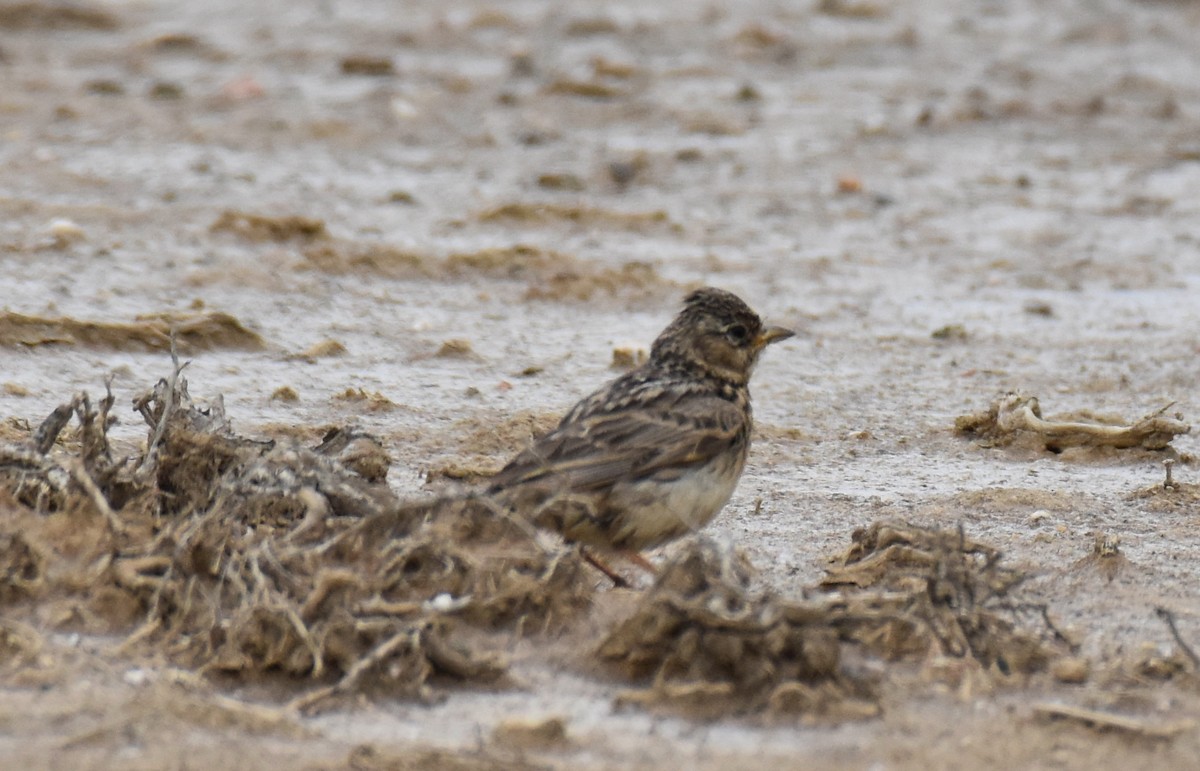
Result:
x=772 y=335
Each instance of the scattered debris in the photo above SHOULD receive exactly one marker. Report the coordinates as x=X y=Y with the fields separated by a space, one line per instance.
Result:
x=285 y=394
x=22 y=565
x=1105 y=557
x=950 y=332
x=510 y=261
x=1071 y=669
x=322 y=350
x=363 y=64
x=175 y=42
x=339 y=257
x=714 y=124
x=546 y=214
x=38 y=14
x=104 y=87
x=757 y=40
x=1015 y=415
x=456 y=348
x=855 y=9
x=1107 y=721
x=1152 y=663
x=561 y=181
x=1107 y=545
x=150 y=332
x=65 y=232
x=849 y=184
x=19 y=646
x=243 y=88
x=261 y=227
x=1170 y=494
x=165 y=90
x=367 y=757
x=592 y=25
x=1039 y=308
x=461 y=472
x=603 y=67
x=590 y=89
x=747 y=93
x=625 y=170
x=1168 y=618
x=549 y=274
x=1038 y=517
x=531 y=734
x=492 y=18
x=370 y=401
x=629 y=356
x=640 y=279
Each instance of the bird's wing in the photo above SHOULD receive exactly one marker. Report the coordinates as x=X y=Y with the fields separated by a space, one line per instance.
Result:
x=598 y=449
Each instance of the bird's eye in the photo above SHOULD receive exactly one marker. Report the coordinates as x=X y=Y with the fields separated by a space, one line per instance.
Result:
x=738 y=334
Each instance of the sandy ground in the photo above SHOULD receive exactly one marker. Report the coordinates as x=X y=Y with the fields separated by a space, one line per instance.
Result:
x=1021 y=175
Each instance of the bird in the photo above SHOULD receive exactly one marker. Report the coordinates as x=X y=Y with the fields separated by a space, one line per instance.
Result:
x=655 y=454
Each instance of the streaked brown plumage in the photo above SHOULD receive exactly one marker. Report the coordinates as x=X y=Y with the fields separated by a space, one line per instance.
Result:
x=655 y=454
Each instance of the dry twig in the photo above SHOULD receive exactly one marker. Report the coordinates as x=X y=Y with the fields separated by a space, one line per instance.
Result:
x=1168 y=618
x=1107 y=721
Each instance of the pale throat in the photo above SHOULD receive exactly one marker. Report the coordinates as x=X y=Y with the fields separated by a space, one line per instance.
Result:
x=724 y=364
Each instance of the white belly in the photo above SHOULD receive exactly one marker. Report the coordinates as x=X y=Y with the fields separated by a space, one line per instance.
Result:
x=654 y=512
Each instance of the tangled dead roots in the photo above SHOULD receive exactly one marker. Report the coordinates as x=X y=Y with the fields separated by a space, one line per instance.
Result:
x=710 y=645
x=246 y=557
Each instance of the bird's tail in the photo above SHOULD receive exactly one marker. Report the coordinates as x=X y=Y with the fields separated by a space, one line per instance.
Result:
x=462 y=517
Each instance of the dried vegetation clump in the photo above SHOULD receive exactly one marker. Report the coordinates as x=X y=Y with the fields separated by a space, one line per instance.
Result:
x=711 y=645
x=248 y=557
x=706 y=643
x=936 y=593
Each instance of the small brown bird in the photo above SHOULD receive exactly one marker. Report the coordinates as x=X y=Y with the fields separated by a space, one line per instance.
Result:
x=655 y=454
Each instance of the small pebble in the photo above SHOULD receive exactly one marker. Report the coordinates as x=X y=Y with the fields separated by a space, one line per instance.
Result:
x=1071 y=669
x=285 y=394
x=1038 y=517
x=629 y=356
x=65 y=232
x=527 y=733
x=454 y=348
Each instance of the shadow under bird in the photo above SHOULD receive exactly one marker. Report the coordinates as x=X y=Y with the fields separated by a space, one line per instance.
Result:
x=655 y=454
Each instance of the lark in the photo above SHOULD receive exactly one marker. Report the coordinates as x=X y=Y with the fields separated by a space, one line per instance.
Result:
x=655 y=454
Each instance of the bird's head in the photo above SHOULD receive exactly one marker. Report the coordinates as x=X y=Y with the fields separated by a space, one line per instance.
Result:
x=718 y=332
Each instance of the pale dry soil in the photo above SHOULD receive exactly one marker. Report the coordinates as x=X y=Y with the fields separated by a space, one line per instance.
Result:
x=867 y=172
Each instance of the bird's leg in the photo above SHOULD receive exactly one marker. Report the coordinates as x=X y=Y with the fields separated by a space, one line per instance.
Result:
x=617 y=579
x=637 y=559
